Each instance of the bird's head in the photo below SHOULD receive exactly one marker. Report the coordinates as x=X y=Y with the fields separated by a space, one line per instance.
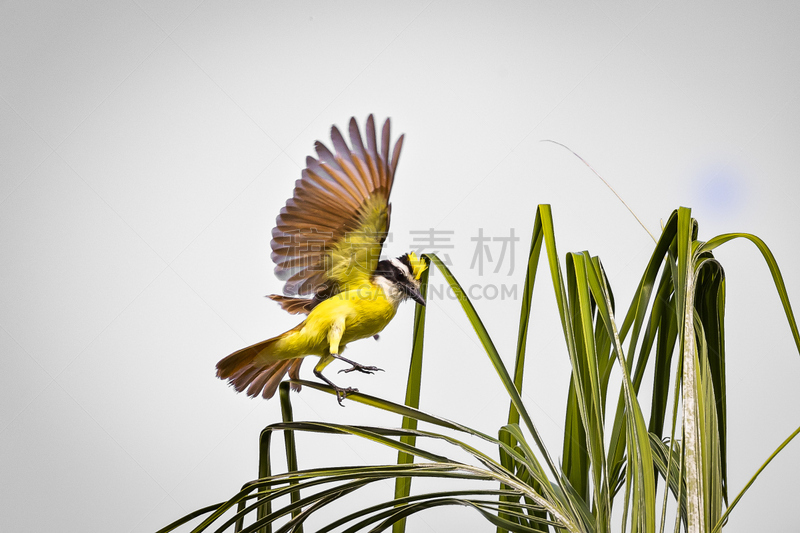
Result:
x=401 y=276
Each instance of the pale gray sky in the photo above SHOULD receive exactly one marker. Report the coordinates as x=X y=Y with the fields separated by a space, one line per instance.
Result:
x=148 y=146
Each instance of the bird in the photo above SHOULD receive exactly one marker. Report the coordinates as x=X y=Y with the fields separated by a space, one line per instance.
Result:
x=326 y=246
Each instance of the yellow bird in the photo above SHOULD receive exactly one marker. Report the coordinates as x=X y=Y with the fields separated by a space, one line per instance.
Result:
x=327 y=243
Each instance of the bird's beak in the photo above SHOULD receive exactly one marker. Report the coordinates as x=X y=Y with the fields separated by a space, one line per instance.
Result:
x=415 y=295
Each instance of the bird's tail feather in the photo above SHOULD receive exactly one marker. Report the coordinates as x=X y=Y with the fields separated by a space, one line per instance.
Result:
x=294 y=373
x=247 y=369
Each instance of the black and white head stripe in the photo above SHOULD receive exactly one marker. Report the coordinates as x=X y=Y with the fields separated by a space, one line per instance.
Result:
x=405 y=262
x=395 y=271
x=398 y=271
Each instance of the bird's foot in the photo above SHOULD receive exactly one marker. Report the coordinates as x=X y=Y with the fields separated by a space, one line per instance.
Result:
x=361 y=368
x=341 y=393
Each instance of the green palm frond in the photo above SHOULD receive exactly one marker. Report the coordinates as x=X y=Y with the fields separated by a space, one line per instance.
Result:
x=674 y=326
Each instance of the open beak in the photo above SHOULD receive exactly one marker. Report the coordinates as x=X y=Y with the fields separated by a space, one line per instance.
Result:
x=415 y=295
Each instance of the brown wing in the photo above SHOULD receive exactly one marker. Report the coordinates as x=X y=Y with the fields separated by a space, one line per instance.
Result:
x=295 y=306
x=330 y=233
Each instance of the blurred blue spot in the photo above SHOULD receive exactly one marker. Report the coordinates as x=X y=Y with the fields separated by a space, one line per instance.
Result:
x=721 y=189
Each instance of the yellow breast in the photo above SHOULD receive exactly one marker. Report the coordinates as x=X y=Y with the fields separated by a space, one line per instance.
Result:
x=366 y=311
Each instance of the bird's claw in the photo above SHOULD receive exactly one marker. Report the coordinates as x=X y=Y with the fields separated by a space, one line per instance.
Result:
x=361 y=368
x=341 y=394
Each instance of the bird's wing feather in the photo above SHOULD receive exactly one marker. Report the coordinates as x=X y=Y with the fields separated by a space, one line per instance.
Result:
x=330 y=233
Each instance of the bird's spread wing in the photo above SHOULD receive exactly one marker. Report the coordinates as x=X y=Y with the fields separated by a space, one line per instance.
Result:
x=330 y=234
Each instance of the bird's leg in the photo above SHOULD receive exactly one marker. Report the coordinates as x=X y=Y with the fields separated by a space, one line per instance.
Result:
x=334 y=336
x=357 y=366
x=341 y=393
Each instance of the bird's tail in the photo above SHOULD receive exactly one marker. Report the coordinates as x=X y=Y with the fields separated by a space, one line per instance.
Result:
x=253 y=369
